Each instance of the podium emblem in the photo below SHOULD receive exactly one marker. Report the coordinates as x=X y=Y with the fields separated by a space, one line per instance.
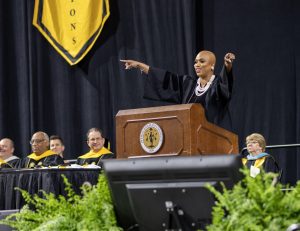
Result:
x=151 y=138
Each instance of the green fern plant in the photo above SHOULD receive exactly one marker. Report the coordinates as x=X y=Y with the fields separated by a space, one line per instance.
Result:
x=91 y=211
x=256 y=204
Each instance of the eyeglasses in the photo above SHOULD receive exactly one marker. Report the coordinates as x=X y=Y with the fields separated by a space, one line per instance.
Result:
x=37 y=141
x=95 y=139
x=251 y=142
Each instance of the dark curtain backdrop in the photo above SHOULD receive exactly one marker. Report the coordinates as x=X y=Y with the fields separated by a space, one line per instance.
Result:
x=40 y=91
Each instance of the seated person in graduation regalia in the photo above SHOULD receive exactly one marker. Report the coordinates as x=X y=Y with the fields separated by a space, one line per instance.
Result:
x=97 y=152
x=212 y=91
x=57 y=145
x=257 y=157
x=41 y=156
x=7 y=158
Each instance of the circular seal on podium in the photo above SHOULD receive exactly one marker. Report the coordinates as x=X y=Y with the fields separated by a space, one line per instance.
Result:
x=151 y=138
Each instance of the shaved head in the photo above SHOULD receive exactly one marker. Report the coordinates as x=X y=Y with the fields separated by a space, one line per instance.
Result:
x=204 y=65
x=209 y=55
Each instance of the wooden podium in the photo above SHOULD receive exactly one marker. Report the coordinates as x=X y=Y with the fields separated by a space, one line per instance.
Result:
x=184 y=127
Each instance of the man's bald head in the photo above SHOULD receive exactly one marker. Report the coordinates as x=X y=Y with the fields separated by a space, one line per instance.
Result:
x=39 y=142
x=6 y=148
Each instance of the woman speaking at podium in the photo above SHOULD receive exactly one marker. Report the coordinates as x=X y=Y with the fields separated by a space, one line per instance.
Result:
x=212 y=91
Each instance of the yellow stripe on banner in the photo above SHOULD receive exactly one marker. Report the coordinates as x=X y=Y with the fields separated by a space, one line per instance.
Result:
x=71 y=27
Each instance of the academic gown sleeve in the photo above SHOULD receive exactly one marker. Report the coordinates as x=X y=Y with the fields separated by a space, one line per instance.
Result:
x=14 y=163
x=106 y=156
x=53 y=160
x=164 y=85
x=24 y=162
x=225 y=84
x=271 y=165
x=97 y=160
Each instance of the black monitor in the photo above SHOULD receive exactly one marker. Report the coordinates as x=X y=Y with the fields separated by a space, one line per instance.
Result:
x=3 y=215
x=168 y=193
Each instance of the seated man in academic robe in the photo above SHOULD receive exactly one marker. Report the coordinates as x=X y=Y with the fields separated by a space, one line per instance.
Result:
x=57 y=145
x=7 y=158
x=41 y=156
x=97 y=152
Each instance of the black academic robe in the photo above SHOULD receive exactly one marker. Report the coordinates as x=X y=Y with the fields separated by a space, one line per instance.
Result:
x=95 y=157
x=11 y=162
x=163 y=85
x=268 y=163
x=51 y=159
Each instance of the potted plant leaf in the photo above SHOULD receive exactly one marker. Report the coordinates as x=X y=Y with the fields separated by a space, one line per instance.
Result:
x=256 y=204
x=91 y=211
